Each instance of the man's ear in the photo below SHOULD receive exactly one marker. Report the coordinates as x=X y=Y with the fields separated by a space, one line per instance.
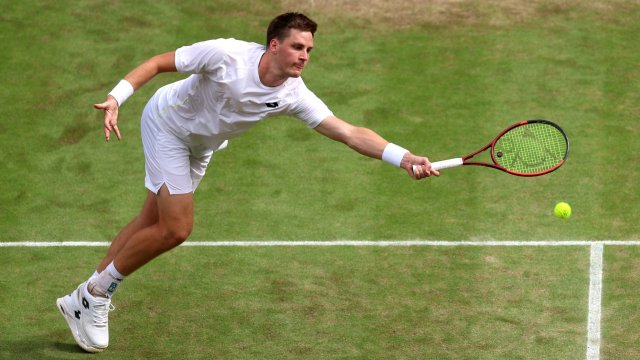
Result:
x=273 y=45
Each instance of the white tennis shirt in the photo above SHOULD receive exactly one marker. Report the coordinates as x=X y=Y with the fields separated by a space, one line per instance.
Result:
x=224 y=96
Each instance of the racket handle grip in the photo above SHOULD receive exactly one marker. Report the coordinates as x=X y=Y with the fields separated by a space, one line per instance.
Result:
x=444 y=164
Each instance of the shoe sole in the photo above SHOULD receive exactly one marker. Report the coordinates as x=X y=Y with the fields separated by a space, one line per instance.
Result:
x=66 y=314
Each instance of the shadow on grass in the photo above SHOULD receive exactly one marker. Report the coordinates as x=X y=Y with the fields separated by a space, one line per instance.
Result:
x=41 y=348
x=68 y=348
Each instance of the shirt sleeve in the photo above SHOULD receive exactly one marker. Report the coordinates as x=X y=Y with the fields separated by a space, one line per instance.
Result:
x=309 y=108
x=201 y=57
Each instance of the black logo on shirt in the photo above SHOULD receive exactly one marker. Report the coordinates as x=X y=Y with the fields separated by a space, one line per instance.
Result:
x=272 y=105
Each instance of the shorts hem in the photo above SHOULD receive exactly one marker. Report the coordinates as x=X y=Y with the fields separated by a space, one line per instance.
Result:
x=172 y=190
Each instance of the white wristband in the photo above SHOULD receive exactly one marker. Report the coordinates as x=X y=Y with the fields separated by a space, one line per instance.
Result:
x=393 y=154
x=122 y=91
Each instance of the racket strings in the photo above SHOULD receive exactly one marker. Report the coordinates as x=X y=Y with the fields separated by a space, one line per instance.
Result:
x=531 y=148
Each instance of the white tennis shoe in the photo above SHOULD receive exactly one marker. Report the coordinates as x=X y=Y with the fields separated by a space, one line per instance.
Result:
x=87 y=317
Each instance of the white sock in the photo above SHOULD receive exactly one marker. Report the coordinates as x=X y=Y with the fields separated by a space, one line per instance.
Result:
x=106 y=283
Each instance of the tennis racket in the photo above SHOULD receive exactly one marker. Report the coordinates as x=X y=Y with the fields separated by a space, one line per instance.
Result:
x=528 y=148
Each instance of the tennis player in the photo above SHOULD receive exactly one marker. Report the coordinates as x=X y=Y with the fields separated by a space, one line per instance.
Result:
x=232 y=86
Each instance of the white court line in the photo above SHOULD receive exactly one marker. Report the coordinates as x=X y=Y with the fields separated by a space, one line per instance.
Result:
x=341 y=243
x=595 y=302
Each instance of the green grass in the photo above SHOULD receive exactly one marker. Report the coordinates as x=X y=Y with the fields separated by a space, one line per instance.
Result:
x=439 y=88
x=621 y=313
x=439 y=91
x=236 y=303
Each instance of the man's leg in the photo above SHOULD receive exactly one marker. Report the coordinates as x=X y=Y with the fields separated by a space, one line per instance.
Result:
x=174 y=225
x=87 y=314
x=148 y=216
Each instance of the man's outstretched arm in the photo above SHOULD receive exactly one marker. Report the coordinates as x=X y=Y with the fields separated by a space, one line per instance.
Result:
x=369 y=143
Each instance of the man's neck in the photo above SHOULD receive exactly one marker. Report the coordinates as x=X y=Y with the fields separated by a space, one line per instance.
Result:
x=267 y=73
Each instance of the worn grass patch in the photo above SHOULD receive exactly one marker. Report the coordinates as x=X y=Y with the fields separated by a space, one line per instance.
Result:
x=407 y=13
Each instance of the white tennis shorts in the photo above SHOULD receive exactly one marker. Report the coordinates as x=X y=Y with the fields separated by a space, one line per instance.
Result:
x=171 y=159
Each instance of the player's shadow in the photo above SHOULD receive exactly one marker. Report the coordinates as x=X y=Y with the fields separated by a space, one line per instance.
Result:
x=39 y=348
x=68 y=348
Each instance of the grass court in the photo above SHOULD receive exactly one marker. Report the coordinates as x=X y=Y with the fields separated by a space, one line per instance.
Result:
x=440 y=78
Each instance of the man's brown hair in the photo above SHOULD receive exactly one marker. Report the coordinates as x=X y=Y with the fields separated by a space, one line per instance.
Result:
x=281 y=25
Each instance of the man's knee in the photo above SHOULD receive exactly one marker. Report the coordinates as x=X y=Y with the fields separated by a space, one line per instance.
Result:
x=175 y=235
x=175 y=216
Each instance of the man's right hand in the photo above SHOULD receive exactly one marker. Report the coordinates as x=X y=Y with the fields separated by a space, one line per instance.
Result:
x=110 y=107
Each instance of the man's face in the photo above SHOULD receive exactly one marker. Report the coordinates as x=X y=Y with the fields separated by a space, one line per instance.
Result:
x=293 y=52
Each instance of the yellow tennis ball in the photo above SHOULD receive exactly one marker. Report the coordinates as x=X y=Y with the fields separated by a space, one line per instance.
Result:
x=562 y=210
